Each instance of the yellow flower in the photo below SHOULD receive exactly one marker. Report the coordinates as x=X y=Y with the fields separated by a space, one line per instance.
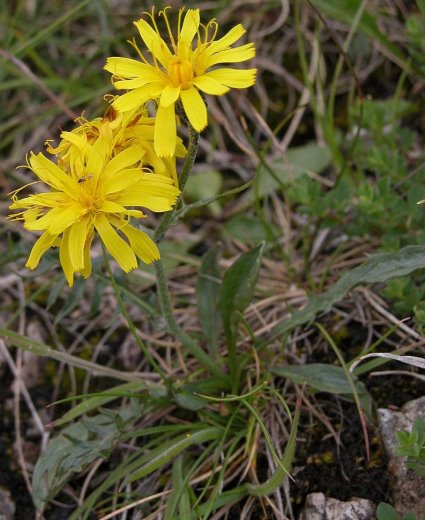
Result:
x=119 y=132
x=93 y=198
x=180 y=73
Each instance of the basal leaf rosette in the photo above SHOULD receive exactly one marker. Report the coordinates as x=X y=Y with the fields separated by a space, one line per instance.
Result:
x=180 y=71
x=100 y=197
x=119 y=131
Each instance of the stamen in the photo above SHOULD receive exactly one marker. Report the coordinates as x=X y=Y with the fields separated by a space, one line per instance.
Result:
x=213 y=24
x=163 y=13
x=179 y=24
x=13 y=193
x=139 y=52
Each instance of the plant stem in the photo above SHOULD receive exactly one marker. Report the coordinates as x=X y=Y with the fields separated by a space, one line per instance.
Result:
x=192 y=150
x=161 y=279
x=130 y=323
x=179 y=333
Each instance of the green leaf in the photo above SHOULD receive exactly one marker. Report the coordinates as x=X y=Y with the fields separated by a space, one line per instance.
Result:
x=322 y=377
x=189 y=401
x=238 y=288
x=73 y=449
x=287 y=168
x=346 y=10
x=379 y=268
x=191 y=395
x=208 y=291
x=271 y=484
x=205 y=185
x=409 y=516
x=26 y=343
x=385 y=512
x=180 y=497
x=167 y=451
x=248 y=230
x=90 y=403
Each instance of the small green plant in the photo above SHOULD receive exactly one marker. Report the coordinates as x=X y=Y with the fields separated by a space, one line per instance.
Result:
x=387 y=512
x=412 y=446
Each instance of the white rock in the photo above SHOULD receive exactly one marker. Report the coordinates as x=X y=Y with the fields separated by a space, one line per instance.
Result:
x=318 y=507
x=408 y=489
x=7 y=505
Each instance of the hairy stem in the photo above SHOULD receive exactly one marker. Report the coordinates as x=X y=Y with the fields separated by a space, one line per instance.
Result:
x=167 y=312
x=130 y=323
x=192 y=150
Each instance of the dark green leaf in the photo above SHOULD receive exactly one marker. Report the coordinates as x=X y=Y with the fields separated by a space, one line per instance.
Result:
x=203 y=186
x=73 y=449
x=386 y=512
x=238 y=288
x=208 y=290
x=379 y=268
x=189 y=401
x=322 y=377
x=287 y=168
x=169 y=450
x=248 y=230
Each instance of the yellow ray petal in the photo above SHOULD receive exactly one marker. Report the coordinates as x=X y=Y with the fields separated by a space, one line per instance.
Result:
x=65 y=258
x=86 y=271
x=143 y=132
x=51 y=174
x=78 y=140
x=48 y=200
x=154 y=203
x=137 y=97
x=169 y=95
x=40 y=247
x=144 y=247
x=228 y=39
x=77 y=239
x=124 y=159
x=127 y=67
x=190 y=27
x=195 y=108
x=99 y=153
x=236 y=55
x=131 y=84
x=210 y=86
x=66 y=218
x=45 y=221
x=234 y=78
x=118 y=248
x=165 y=131
x=154 y=42
x=122 y=180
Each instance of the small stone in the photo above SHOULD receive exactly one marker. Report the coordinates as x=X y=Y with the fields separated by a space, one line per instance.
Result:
x=318 y=507
x=408 y=488
x=7 y=505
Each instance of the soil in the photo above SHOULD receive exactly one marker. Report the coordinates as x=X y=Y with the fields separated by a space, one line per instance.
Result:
x=341 y=472
x=10 y=476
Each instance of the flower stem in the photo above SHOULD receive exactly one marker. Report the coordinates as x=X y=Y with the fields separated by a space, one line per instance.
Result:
x=161 y=279
x=192 y=150
x=167 y=311
x=130 y=323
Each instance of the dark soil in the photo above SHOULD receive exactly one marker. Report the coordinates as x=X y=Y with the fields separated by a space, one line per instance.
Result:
x=10 y=477
x=340 y=472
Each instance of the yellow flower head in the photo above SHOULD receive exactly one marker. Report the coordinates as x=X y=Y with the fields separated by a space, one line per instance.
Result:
x=180 y=72
x=95 y=197
x=119 y=131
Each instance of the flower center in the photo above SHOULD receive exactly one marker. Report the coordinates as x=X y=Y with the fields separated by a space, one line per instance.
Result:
x=180 y=71
x=90 y=200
